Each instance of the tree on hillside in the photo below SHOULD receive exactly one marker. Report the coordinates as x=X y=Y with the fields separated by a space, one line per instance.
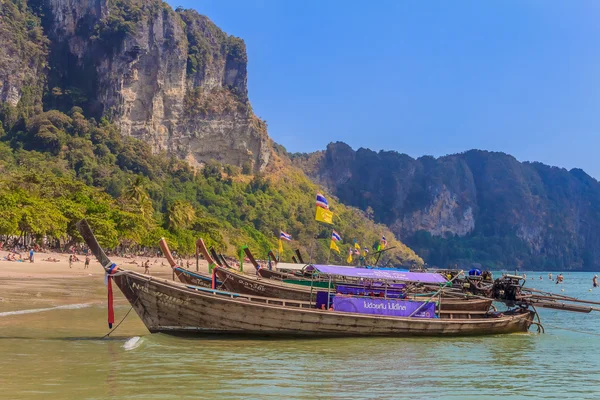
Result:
x=138 y=197
x=180 y=215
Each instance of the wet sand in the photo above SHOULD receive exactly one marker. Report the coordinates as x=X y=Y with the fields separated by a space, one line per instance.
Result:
x=26 y=286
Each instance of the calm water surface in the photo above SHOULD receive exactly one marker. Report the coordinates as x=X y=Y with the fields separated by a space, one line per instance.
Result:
x=58 y=353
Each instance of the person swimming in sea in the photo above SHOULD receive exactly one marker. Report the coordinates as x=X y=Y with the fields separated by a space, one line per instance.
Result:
x=595 y=281
x=559 y=279
x=550 y=276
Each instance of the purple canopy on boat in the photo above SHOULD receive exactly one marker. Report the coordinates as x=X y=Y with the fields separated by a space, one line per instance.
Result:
x=424 y=277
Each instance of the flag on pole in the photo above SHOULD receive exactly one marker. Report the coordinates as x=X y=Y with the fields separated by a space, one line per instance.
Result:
x=285 y=236
x=334 y=246
x=322 y=201
x=357 y=252
x=280 y=246
x=324 y=215
x=356 y=245
x=335 y=236
x=383 y=242
x=349 y=259
x=366 y=251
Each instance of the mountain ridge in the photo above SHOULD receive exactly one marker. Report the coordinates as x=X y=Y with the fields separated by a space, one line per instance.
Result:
x=475 y=206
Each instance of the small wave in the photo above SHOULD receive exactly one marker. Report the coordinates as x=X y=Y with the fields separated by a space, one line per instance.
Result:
x=132 y=343
x=37 y=310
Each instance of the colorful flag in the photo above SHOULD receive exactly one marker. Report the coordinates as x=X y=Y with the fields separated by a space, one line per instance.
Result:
x=280 y=246
x=333 y=246
x=366 y=251
x=324 y=215
x=357 y=252
x=335 y=236
x=383 y=242
x=356 y=245
x=285 y=236
x=349 y=259
x=322 y=201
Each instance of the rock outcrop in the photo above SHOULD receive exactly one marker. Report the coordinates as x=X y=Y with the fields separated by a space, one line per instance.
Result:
x=170 y=78
x=475 y=206
x=23 y=52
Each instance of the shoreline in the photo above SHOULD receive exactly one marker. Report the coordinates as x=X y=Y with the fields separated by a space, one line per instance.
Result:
x=43 y=269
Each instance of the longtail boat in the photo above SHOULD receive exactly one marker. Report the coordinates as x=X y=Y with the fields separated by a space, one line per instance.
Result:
x=245 y=284
x=265 y=272
x=187 y=276
x=240 y=283
x=171 y=307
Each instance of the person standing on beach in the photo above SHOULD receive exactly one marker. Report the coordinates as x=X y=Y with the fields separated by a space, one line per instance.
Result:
x=87 y=262
x=147 y=267
x=31 y=255
x=595 y=281
x=71 y=261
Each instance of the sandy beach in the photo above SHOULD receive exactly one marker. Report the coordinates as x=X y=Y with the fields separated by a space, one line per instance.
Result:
x=41 y=268
x=26 y=285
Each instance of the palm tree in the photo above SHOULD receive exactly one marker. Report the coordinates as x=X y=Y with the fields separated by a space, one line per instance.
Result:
x=180 y=215
x=137 y=195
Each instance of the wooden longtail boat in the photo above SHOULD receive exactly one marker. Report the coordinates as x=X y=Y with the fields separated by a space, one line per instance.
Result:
x=299 y=256
x=240 y=283
x=267 y=273
x=168 y=307
x=172 y=307
x=244 y=284
x=184 y=275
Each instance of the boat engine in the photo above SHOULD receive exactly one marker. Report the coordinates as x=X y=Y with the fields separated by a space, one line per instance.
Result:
x=507 y=289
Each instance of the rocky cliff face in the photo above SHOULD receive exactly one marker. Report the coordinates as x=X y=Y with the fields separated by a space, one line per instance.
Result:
x=172 y=79
x=23 y=52
x=475 y=206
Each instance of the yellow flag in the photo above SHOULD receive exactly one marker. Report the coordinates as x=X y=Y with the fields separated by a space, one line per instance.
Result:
x=324 y=215
x=356 y=246
x=349 y=259
x=333 y=246
x=280 y=247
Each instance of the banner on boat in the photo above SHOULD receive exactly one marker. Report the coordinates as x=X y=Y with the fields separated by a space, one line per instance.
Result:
x=396 y=308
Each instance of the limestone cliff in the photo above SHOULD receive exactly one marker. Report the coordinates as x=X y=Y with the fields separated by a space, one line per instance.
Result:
x=475 y=206
x=170 y=78
x=23 y=53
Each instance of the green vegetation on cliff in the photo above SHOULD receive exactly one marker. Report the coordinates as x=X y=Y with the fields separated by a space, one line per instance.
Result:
x=23 y=52
x=57 y=168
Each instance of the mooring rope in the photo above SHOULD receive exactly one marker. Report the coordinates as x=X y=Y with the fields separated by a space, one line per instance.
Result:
x=132 y=304
x=115 y=328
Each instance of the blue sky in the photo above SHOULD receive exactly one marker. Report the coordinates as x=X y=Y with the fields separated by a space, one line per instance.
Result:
x=424 y=77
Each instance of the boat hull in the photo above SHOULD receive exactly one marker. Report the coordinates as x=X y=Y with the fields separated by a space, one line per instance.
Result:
x=171 y=307
x=195 y=279
x=239 y=283
x=276 y=275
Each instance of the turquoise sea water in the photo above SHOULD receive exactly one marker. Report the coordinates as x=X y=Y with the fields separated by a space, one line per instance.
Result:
x=58 y=353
